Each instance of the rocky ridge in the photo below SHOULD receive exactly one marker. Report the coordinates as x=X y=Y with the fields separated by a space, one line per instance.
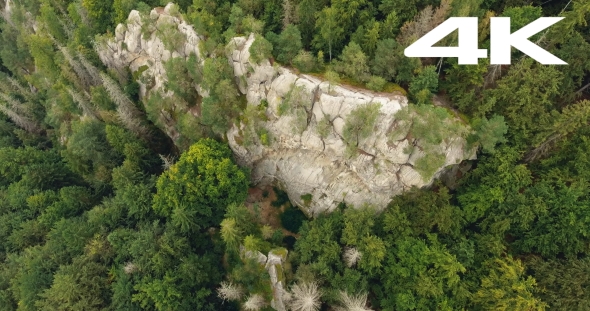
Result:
x=315 y=170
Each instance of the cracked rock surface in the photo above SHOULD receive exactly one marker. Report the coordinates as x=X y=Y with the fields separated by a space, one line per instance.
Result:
x=142 y=50
x=308 y=163
x=301 y=161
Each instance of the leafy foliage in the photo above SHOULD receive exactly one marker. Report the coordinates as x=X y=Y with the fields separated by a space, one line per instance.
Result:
x=360 y=123
x=196 y=190
x=260 y=49
x=90 y=219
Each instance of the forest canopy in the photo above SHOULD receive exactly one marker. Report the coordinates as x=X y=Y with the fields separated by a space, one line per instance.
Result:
x=100 y=209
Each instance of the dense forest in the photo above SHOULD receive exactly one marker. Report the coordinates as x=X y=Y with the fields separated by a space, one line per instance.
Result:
x=101 y=210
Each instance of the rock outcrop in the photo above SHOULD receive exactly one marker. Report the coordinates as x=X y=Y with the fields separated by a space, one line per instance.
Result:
x=136 y=46
x=273 y=263
x=305 y=163
x=314 y=168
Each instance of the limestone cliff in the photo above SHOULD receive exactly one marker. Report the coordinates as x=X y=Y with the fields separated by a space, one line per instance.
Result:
x=315 y=169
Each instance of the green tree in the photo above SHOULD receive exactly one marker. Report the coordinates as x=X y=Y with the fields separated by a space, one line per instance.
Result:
x=306 y=11
x=288 y=44
x=83 y=285
x=101 y=14
x=354 y=63
x=200 y=185
x=181 y=80
x=330 y=32
x=221 y=108
x=525 y=97
x=260 y=49
x=215 y=70
x=318 y=245
x=236 y=18
x=464 y=84
x=273 y=15
x=371 y=38
x=88 y=152
x=563 y=284
x=427 y=212
x=421 y=275
x=427 y=79
x=385 y=60
x=571 y=119
x=488 y=133
x=506 y=287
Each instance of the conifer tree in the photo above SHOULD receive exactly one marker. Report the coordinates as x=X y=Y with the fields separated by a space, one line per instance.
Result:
x=129 y=115
x=306 y=297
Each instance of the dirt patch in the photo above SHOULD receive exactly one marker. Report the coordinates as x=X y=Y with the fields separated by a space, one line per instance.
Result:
x=266 y=213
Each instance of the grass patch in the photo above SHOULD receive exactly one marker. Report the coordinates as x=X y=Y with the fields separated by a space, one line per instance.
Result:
x=137 y=74
x=280 y=252
x=306 y=198
x=280 y=276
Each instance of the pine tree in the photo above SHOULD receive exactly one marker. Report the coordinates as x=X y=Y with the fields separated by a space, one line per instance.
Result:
x=229 y=291
x=306 y=297
x=254 y=303
x=93 y=72
x=351 y=256
x=83 y=103
x=288 y=11
x=231 y=233
x=353 y=302
x=568 y=121
x=129 y=115
x=20 y=121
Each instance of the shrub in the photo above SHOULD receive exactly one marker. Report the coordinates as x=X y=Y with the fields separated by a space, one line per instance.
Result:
x=264 y=136
x=304 y=61
x=376 y=83
x=277 y=236
x=429 y=164
x=306 y=198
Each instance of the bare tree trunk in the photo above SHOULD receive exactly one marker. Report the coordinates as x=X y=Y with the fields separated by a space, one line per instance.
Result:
x=129 y=115
x=541 y=149
x=28 y=94
x=494 y=72
x=93 y=72
x=82 y=103
x=23 y=122
x=78 y=69
x=582 y=89
x=15 y=105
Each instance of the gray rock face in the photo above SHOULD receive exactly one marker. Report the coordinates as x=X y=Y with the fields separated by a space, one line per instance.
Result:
x=142 y=50
x=295 y=154
x=273 y=263
x=307 y=163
